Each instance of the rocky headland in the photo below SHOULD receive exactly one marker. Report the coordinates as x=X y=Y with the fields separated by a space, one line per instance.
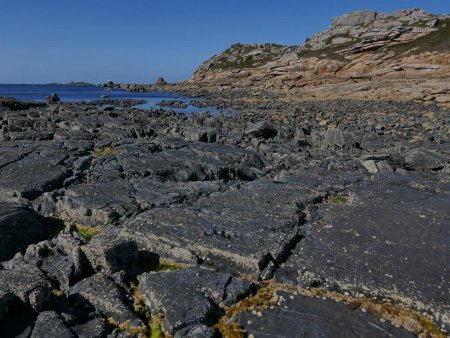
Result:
x=320 y=210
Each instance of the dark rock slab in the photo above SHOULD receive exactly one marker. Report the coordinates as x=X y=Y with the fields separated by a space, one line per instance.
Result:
x=107 y=297
x=389 y=239
x=7 y=301
x=315 y=317
x=190 y=296
x=29 y=285
x=30 y=178
x=241 y=229
x=19 y=227
x=110 y=254
x=97 y=204
x=196 y=331
x=424 y=159
x=49 y=324
x=11 y=154
x=94 y=328
x=149 y=193
x=16 y=318
x=184 y=161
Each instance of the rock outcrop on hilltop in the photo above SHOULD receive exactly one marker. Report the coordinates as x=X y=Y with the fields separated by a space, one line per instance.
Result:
x=363 y=55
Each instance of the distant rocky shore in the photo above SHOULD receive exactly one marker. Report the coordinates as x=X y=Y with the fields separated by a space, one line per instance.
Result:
x=365 y=55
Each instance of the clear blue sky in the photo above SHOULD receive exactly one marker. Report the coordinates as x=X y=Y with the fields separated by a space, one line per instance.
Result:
x=45 y=41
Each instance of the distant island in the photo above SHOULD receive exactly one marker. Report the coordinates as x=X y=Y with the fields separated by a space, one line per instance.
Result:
x=73 y=83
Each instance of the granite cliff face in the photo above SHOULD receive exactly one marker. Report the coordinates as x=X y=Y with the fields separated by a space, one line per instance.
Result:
x=363 y=55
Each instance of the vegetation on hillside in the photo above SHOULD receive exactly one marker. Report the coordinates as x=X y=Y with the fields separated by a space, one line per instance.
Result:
x=438 y=40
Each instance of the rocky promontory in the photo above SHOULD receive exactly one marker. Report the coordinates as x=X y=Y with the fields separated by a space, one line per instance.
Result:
x=363 y=55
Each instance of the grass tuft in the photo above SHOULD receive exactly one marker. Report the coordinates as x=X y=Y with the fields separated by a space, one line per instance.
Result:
x=156 y=327
x=166 y=265
x=87 y=232
x=100 y=152
x=230 y=330
x=339 y=199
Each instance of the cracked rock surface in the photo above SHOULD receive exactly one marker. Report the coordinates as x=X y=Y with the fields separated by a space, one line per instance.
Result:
x=134 y=223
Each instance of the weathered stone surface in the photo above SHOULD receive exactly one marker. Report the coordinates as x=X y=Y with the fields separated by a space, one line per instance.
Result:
x=423 y=159
x=109 y=254
x=19 y=227
x=196 y=331
x=107 y=297
x=95 y=328
x=355 y=18
x=29 y=286
x=29 y=178
x=50 y=324
x=387 y=239
x=97 y=204
x=190 y=296
x=242 y=230
x=315 y=317
x=362 y=45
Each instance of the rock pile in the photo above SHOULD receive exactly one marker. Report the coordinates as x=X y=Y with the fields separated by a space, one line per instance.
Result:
x=126 y=223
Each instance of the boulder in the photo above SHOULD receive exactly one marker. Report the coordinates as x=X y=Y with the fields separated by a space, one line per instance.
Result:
x=370 y=166
x=261 y=130
x=110 y=254
x=190 y=296
x=30 y=286
x=53 y=98
x=64 y=262
x=20 y=226
x=49 y=324
x=160 y=81
x=107 y=297
x=94 y=328
x=424 y=159
x=355 y=18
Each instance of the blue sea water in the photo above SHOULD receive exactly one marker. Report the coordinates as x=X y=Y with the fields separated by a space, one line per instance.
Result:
x=68 y=93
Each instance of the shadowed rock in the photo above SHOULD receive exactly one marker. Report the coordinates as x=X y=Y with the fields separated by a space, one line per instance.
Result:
x=19 y=227
x=107 y=297
x=190 y=296
x=50 y=324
